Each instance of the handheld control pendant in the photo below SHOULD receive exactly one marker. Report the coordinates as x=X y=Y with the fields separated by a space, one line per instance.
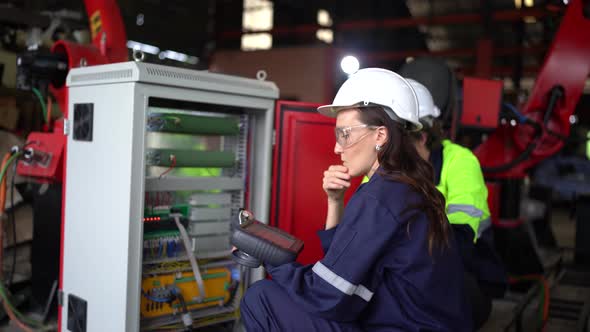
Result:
x=259 y=243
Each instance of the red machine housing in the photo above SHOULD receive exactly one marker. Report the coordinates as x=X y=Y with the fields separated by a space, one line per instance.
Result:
x=565 y=70
x=50 y=145
x=481 y=99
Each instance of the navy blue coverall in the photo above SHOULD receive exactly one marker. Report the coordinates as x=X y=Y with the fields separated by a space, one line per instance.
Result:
x=377 y=274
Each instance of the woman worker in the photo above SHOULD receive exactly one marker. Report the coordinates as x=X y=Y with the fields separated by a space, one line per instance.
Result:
x=390 y=263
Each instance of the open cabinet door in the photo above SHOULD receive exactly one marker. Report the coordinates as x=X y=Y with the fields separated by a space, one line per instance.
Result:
x=303 y=150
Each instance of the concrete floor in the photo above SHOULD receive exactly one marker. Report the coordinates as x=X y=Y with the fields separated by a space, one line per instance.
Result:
x=564 y=230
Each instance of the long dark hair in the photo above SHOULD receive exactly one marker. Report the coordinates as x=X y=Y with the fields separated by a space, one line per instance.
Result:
x=434 y=133
x=400 y=162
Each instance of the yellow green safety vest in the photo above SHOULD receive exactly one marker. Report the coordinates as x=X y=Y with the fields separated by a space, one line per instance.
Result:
x=463 y=186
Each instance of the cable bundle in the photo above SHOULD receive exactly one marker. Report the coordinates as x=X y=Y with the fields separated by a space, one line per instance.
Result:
x=162 y=247
x=545 y=295
x=164 y=267
x=23 y=322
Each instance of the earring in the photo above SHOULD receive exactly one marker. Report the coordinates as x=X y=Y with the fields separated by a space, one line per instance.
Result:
x=378 y=147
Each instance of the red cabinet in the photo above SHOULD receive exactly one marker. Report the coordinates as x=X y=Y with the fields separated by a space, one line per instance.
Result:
x=303 y=150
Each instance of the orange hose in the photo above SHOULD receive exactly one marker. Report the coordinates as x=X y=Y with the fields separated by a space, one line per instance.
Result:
x=546 y=291
x=49 y=107
x=2 y=206
x=547 y=299
x=3 y=184
x=13 y=318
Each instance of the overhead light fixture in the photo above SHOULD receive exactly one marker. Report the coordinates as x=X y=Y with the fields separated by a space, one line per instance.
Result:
x=325 y=35
x=529 y=3
x=324 y=19
x=349 y=64
x=173 y=55
x=146 y=48
x=176 y=55
x=140 y=19
x=518 y=4
x=256 y=41
x=193 y=60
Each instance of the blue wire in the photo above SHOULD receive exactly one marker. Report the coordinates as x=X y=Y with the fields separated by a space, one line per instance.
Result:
x=155 y=299
x=169 y=249
x=520 y=116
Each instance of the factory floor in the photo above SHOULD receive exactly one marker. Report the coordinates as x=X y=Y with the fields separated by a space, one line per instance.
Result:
x=502 y=311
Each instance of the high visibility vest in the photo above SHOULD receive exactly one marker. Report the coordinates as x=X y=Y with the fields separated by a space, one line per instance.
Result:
x=463 y=186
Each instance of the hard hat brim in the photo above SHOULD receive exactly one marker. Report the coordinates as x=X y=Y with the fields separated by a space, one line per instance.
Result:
x=332 y=111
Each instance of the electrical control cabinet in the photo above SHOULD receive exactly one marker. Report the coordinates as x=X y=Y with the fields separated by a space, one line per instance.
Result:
x=158 y=160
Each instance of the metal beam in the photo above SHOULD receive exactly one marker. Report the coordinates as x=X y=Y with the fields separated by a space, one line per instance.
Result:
x=499 y=71
x=450 y=53
x=397 y=23
x=22 y=17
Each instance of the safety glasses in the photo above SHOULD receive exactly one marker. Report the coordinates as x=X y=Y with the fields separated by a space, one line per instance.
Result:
x=344 y=138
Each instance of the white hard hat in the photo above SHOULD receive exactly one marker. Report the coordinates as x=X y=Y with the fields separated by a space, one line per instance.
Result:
x=425 y=103
x=377 y=87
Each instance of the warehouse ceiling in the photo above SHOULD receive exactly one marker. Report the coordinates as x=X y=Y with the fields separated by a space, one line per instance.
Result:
x=444 y=27
x=533 y=31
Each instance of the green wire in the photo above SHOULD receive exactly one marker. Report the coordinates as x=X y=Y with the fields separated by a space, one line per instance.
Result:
x=542 y=303
x=10 y=160
x=541 y=300
x=3 y=292
x=22 y=317
x=43 y=107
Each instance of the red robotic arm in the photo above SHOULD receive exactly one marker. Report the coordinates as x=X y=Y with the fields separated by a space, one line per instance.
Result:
x=510 y=151
x=44 y=152
x=109 y=42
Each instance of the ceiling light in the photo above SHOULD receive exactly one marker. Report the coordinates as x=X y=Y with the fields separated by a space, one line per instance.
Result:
x=176 y=56
x=324 y=18
x=325 y=35
x=349 y=64
x=146 y=48
x=140 y=19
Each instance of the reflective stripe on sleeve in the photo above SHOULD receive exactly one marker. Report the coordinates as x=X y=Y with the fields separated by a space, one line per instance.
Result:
x=340 y=283
x=471 y=210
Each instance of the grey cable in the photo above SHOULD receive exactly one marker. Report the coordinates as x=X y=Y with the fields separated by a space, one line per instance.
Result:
x=191 y=257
